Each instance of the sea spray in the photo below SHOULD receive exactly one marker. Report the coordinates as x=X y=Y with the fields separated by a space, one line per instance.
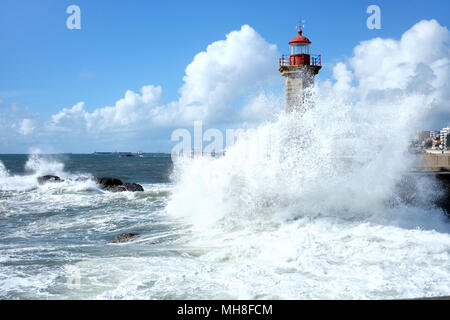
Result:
x=38 y=165
x=3 y=171
x=276 y=247
x=319 y=204
x=337 y=157
x=44 y=165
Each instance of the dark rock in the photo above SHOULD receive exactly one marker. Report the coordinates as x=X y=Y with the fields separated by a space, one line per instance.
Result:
x=133 y=187
x=108 y=182
x=124 y=237
x=115 y=185
x=49 y=178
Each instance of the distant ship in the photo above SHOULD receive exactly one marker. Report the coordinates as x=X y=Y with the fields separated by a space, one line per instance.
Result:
x=121 y=154
x=125 y=154
x=102 y=152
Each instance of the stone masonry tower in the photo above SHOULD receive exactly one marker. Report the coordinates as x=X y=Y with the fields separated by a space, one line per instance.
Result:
x=299 y=68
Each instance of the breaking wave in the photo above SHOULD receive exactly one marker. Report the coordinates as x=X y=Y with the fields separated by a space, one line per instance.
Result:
x=323 y=197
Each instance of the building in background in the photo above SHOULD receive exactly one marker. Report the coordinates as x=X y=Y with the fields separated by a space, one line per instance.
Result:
x=434 y=134
x=428 y=140
x=445 y=144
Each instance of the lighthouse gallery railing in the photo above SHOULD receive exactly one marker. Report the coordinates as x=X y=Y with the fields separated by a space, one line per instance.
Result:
x=315 y=60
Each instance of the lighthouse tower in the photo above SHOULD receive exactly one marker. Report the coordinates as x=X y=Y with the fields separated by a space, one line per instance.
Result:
x=299 y=68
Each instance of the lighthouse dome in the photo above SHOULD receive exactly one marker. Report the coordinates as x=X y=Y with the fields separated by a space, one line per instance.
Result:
x=300 y=38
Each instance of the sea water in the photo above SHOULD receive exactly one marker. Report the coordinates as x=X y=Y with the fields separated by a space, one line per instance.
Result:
x=315 y=205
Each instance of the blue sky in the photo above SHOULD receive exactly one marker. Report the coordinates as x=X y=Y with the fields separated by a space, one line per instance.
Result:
x=124 y=45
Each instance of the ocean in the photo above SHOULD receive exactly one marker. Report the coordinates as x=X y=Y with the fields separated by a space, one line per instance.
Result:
x=295 y=220
x=46 y=228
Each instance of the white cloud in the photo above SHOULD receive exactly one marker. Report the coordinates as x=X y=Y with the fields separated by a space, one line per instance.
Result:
x=17 y=123
x=239 y=67
x=215 y=78
x=386 y=63
x=66 y=113
x=419 y=62
x=26 y=127
x=226 y=70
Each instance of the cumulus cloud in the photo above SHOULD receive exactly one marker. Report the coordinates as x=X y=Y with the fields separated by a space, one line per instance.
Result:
x=386 y=63
x=239 y=68
x=128 y=113
x=226 y=70
x=69 y=118
x=419 y=62
x=216 y=77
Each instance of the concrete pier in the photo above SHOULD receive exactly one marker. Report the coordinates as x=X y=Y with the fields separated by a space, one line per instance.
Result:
x=433 y=162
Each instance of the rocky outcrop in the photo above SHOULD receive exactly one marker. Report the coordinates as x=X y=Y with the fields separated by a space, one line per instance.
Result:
x=124 y=237
x=49 y=178
x=108 y=184
x=116 y=185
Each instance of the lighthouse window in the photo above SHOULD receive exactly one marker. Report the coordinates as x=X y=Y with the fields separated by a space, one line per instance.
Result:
x=299 y=49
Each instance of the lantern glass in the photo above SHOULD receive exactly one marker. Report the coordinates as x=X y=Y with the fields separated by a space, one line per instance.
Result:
x=299 y=48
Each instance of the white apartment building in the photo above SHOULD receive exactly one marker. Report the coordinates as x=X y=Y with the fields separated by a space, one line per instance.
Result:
x=443 y=135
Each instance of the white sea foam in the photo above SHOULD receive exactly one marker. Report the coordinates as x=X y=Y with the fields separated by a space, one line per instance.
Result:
x=39 y=165
x=3 y=171
x=43 y=165
x=313 y=205
x=333 y=159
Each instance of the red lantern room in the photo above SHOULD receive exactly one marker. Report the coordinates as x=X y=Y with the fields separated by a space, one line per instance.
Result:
x=299 y=50
x=300 y=55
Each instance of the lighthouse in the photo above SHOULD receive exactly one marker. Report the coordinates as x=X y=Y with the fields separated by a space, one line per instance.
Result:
x=299 y=69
